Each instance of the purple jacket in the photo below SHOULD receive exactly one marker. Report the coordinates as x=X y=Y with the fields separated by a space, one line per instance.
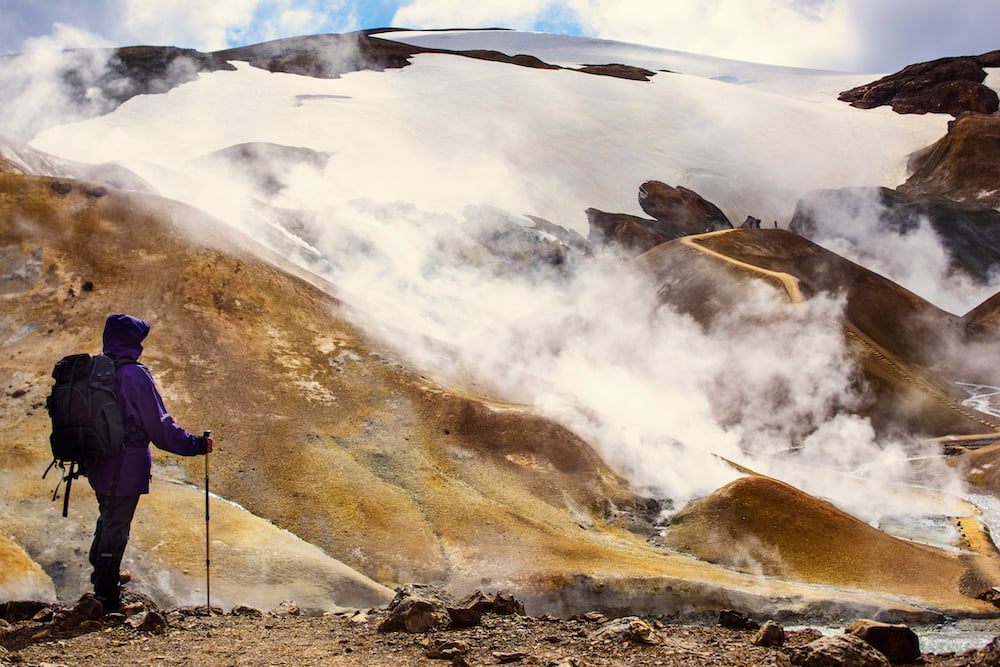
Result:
x=146 y=419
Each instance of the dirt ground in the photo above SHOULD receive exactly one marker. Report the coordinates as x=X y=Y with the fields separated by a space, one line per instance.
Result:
x=354 y=641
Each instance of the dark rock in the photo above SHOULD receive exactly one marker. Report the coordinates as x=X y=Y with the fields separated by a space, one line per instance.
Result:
x=325 y=56
x=737 y=620
x=681 y=207
x=153 y=622
x=416 y=615
x=464 y=618
x=946 y=85
x=88 y=608
x=97 y=191
x=61 y=187
x=770 y=634
x=751 y=223
x=506 y=657
x=244 y=610
x=837 y=652
x=964 y=165
x=628 y=233
x=620 y=71
x=502 y=603
x=896 y=642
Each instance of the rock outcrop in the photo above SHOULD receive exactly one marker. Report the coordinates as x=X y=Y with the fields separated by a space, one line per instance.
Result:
x=945 y=85
x=963 y=166
x=681 y=207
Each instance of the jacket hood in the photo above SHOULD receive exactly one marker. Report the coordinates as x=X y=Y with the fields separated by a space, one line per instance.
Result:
x=123 y=336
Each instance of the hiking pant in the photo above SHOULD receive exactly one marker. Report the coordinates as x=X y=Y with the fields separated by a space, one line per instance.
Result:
x=110 y=538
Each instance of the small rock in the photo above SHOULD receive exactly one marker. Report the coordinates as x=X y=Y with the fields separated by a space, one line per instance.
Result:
x=444 y=649
x=416 y=615
x=97 y=191
x=61 y=187
x=154 y=622
x=43 y=615
x=630 y=628
x=770 y=634
x=836 y=651
x=736 y=620
x=504 y=657
x=244 y=610
x=286 y=608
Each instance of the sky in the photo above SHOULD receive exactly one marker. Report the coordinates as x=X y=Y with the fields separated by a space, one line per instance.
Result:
x=844 y=35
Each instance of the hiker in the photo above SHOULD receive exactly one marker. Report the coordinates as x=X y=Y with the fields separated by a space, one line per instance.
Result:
x=119 y=480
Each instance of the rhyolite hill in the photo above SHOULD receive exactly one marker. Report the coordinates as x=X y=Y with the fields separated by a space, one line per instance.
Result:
x=354 y=469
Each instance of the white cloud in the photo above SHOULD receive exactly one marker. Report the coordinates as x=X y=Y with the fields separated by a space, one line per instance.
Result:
x=519 y=14
x=187 y=23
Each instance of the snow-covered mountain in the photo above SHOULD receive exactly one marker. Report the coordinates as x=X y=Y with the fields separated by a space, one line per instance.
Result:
x=444 y=204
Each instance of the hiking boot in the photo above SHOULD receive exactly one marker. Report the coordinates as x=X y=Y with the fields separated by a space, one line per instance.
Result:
x=124 y=578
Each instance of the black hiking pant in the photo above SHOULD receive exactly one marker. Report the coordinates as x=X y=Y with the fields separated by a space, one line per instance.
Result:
x=110 y=538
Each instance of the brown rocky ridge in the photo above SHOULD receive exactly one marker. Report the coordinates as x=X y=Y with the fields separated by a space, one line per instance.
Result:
x=964 y=166
x=945 y=85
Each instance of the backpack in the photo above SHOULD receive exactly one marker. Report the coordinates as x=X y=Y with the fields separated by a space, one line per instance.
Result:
x=87 y=422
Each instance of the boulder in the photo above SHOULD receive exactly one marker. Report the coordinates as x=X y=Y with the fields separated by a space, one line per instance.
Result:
x=770 y=634
x=681 y=207
x=896 y=642
x=417 y=608
x=286 y=608
x=837 y=652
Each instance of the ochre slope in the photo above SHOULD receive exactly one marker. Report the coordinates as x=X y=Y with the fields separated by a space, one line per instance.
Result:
x=318 y=429
x=762 y=525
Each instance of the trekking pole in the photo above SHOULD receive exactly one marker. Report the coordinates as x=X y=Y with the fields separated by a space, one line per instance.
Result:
x=208 y=560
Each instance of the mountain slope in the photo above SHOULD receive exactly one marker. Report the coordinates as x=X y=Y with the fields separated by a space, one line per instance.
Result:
x=377 y=294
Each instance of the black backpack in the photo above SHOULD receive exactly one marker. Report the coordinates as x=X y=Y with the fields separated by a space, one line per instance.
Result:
x=87 y=422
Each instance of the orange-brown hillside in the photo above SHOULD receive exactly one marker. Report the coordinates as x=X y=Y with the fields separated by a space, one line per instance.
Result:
x=751 y=523
x=320 y=430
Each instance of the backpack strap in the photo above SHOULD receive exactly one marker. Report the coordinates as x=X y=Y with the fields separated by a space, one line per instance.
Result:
x=130 y=428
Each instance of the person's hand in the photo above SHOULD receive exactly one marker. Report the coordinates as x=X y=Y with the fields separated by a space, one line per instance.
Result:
x=208 y=445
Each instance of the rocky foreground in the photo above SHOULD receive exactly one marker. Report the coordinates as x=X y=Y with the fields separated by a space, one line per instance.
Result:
x=423 y=626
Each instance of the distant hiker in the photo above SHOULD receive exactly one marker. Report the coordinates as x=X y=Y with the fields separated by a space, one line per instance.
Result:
x=119 y=480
